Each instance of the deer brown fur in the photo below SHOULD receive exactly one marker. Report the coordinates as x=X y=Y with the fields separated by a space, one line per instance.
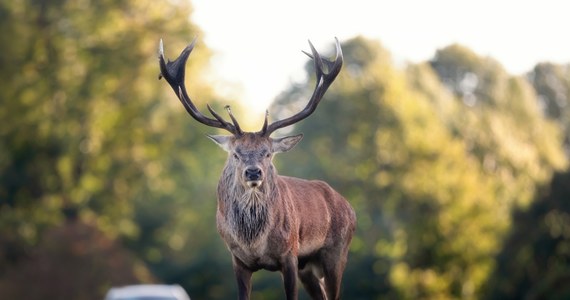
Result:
x=299 y=227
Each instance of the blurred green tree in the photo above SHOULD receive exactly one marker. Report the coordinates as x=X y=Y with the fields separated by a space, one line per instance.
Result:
x=501 y=122
x=89 y=130
x=552 y=85
x=535 y=260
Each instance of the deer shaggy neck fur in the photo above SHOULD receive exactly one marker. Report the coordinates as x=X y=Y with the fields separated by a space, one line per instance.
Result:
x=247 y=209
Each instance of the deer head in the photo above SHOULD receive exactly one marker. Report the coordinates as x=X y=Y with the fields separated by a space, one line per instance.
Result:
x=250 y=153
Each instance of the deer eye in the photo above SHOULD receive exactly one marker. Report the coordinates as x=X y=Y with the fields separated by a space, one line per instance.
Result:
x=268 y=154
x=236 y=156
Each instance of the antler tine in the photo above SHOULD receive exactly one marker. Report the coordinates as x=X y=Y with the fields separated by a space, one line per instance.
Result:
x=324 y=80
x=330 y=63
x=236 y=125
x=174 y=73
x=264 y=128
x=215 y=114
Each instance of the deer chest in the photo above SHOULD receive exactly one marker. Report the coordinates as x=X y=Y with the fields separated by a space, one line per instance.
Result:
x=248 y=222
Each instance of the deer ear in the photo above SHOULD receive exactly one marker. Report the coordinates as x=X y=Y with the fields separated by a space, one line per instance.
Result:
x=285 y=144
x=221 y=140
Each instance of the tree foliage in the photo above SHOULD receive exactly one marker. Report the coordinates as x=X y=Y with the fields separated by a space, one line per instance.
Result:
x=552 y=85
x=89 y=130
x=534 y=262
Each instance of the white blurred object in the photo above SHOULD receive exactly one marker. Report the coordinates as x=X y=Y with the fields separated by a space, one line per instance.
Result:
x=147 y=292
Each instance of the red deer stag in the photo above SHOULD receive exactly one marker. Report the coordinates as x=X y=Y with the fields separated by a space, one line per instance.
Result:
x=278 y=223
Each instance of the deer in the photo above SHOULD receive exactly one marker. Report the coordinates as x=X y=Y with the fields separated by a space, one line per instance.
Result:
x=301 y=228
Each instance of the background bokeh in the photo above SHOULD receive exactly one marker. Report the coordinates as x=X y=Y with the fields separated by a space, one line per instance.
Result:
x=458 y=170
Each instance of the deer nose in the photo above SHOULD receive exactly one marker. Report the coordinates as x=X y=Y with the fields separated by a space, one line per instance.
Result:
x=253 y=174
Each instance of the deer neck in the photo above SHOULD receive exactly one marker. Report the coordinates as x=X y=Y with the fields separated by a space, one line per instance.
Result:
x=247 y=210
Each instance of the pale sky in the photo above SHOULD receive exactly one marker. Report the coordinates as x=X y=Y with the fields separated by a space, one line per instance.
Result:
x=257 y=44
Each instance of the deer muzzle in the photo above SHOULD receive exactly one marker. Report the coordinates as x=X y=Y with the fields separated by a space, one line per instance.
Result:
x=253 y=177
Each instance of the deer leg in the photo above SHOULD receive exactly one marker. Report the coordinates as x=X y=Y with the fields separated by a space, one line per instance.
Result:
x=333 y=267
x=313 y=285
x=289 y=272
x=332 y=283
x=243 y=278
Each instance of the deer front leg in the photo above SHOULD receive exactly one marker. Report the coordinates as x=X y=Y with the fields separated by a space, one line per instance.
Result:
x=289 y=272
x=243 y=278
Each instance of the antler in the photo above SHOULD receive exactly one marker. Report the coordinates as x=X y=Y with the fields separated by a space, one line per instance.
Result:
x=174 y=73
x=324 y=80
